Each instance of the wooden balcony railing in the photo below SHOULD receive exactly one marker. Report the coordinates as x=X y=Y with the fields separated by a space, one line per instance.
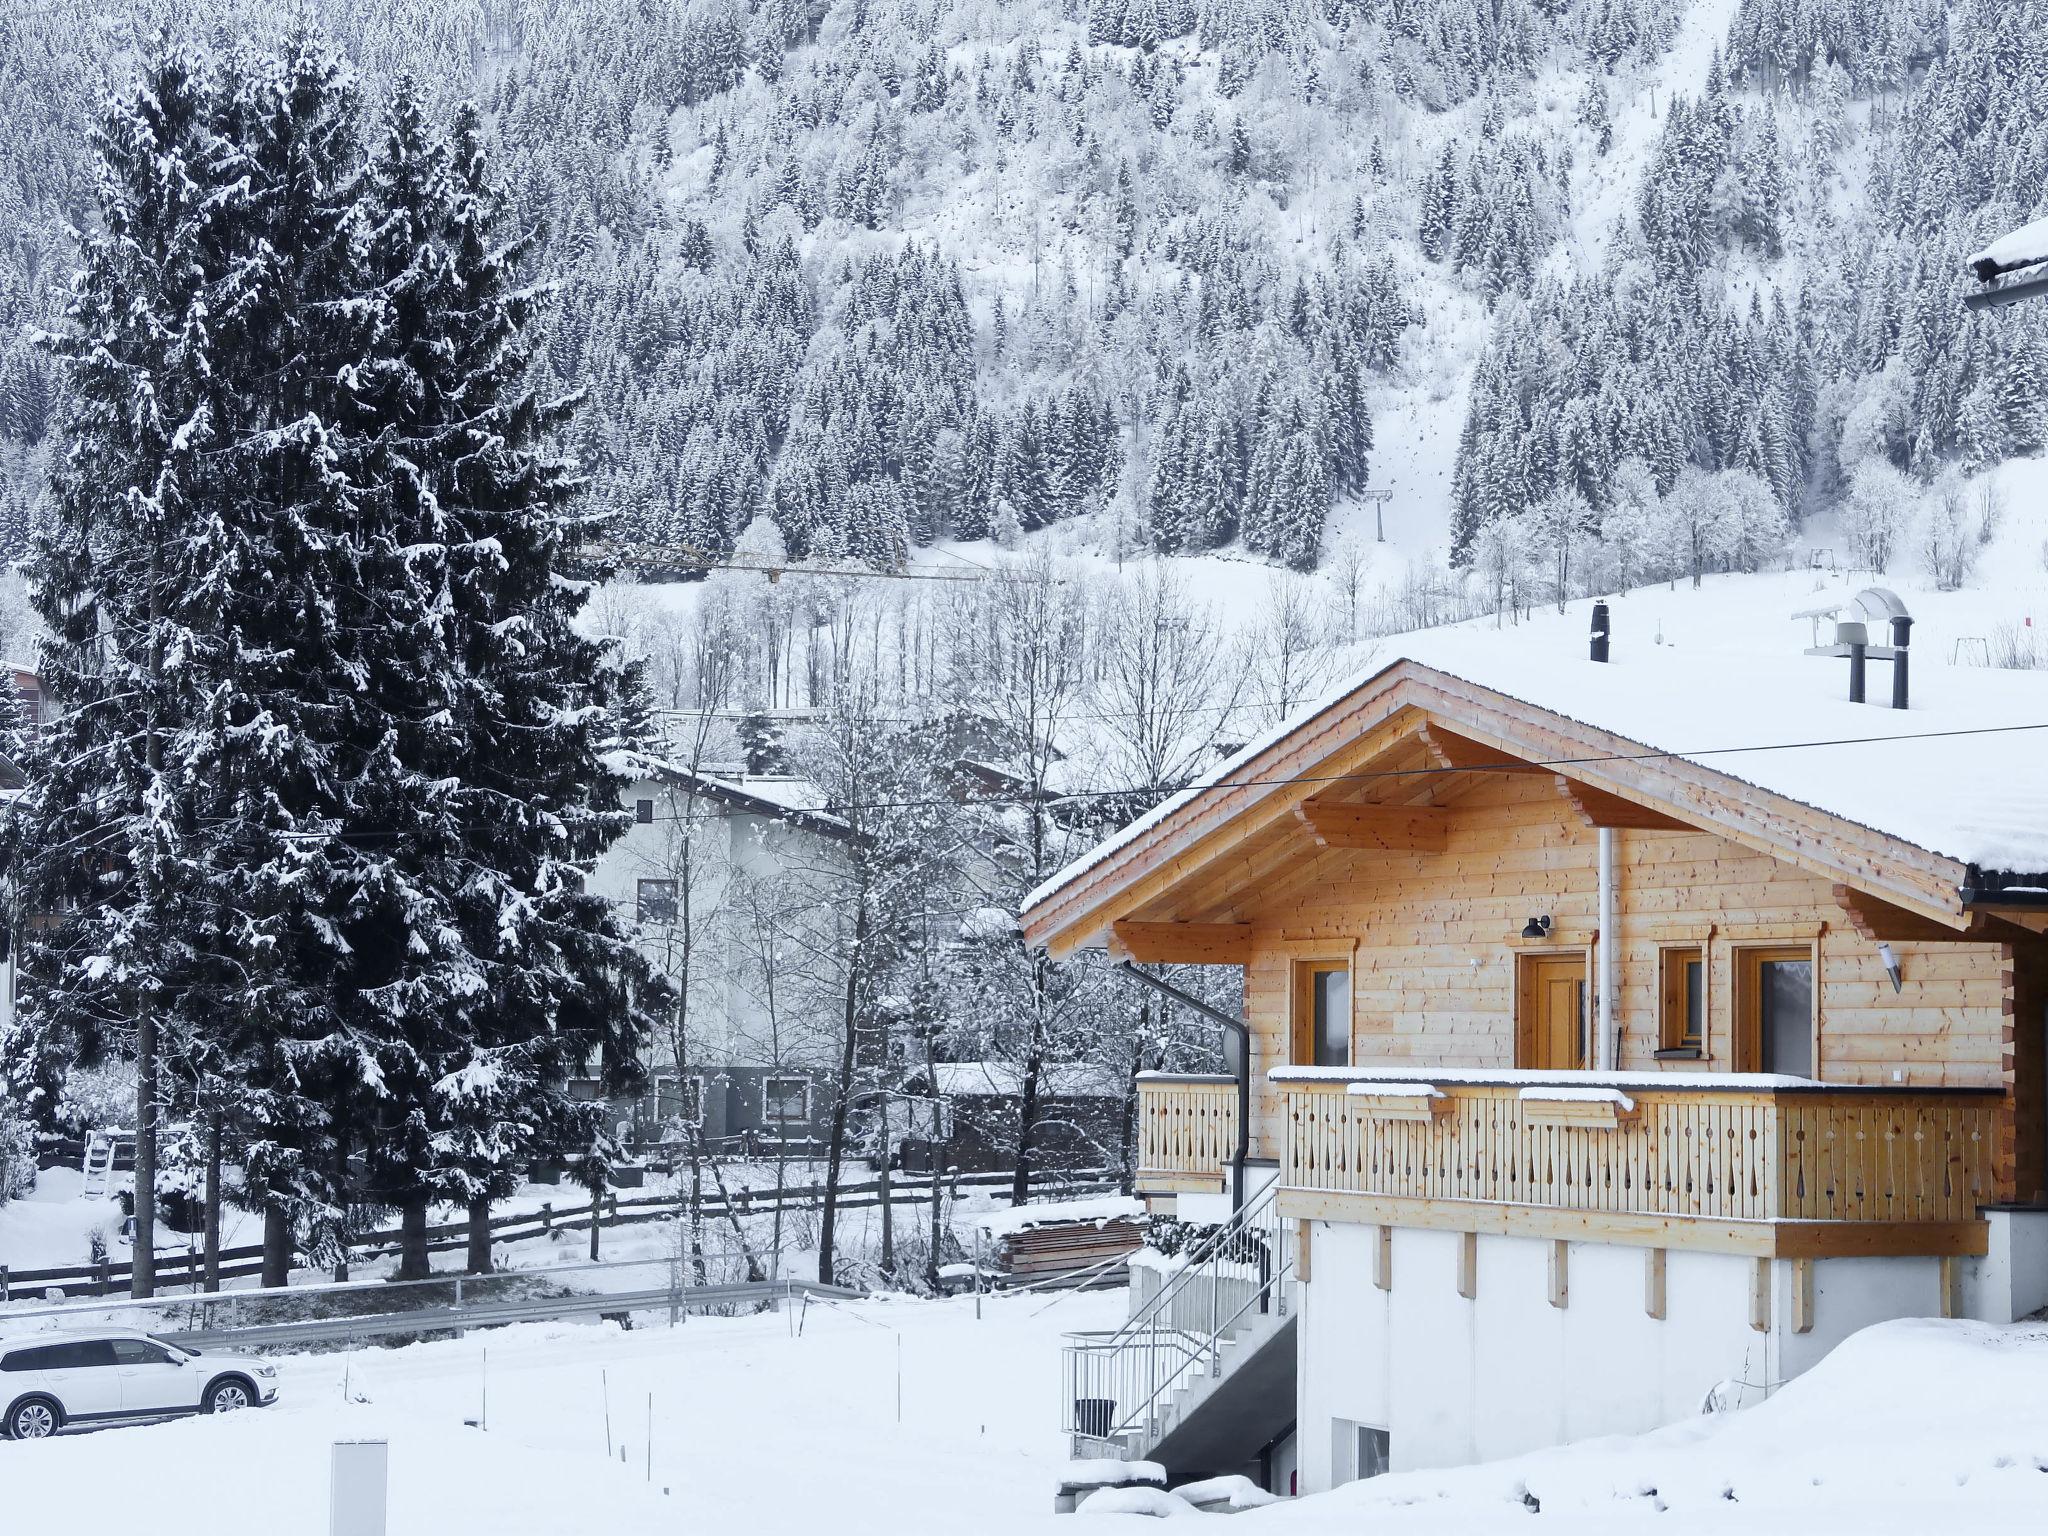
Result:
x=1634 y=1157
x=1187 y=1131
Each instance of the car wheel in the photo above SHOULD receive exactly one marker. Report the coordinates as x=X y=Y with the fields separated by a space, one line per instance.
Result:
x=35 y=1419
x=228 y=1396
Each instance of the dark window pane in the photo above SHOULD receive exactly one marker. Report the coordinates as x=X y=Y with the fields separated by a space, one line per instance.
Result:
x=1785 y=1005
x=785 y=1099
x=72 y=1357
x=136 y=1352
x=1332 y=1005
x=1373 y=1452
x=657 y=901
x=1695 y=1002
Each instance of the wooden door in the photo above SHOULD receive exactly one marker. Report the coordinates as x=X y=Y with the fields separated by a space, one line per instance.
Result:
x=1550 y=1012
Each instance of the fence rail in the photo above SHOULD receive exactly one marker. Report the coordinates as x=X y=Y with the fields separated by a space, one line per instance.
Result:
x=239 y=1263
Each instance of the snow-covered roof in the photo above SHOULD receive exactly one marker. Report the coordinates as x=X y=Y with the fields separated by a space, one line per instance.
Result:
x=1959 y=774
x=2024 y=247
x=1005 y=1079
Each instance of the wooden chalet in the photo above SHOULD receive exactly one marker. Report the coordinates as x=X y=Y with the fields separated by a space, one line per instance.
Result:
x=1644 y=1025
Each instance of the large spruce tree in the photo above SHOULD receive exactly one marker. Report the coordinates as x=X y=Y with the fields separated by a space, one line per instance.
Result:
x=329 y=762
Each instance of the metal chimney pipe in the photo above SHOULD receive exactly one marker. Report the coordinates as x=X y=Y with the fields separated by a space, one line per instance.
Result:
x=1853 y=637
x=1902 y=635
x=1599 y=646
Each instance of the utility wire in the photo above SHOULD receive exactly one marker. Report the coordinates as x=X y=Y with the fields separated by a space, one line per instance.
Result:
x=1361 y=776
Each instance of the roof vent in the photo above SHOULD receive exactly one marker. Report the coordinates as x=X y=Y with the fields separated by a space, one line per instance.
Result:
x=1873 y=605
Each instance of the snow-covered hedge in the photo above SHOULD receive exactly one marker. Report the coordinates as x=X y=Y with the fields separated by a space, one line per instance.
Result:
x=17 y=1151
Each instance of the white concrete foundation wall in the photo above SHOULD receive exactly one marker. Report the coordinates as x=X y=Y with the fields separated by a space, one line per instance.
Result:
x=1455 y=1380
x=2011 y=1280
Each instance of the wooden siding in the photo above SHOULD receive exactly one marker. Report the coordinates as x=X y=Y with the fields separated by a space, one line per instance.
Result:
x=1432 y=939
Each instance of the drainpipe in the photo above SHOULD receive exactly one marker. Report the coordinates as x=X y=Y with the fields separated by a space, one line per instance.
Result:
x=1606 y=1048
x=1243 y=1032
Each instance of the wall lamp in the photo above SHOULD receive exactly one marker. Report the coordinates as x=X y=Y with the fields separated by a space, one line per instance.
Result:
x=1537 y=927
x=1892 y=967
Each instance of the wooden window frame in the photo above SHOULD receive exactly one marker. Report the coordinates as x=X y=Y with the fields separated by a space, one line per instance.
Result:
x=1524 y=1025
x=1745 y=1011
x=1301 y=1023
x=1671 y=1044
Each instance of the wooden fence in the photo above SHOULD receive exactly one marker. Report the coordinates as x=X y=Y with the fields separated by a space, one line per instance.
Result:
x=241 y=1263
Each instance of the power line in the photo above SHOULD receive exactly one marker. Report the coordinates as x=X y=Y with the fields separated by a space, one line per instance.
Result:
x=1361 y=776
x=1520 y=765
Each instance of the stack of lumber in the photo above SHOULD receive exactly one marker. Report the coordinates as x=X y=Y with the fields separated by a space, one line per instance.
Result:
x=1032 y=1243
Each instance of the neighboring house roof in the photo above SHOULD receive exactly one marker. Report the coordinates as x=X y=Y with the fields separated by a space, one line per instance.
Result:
x=2026 y=246
x=1005 y=1080
x=1931 y=808
x=793 y=801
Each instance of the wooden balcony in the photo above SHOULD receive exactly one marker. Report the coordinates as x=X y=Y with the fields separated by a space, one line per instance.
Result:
x=1752 y=1166
x=1187 y=1132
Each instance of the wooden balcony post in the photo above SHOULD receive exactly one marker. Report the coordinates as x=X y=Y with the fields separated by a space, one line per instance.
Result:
x=1653 y=1282
x=1468 y=1265
x=1560 y=1273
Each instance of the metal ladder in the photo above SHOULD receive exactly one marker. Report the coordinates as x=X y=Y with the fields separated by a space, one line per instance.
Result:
x=1119 y=1384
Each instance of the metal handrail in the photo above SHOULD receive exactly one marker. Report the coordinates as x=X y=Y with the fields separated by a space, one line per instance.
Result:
x=1121 y=1377
x=1201 y=1257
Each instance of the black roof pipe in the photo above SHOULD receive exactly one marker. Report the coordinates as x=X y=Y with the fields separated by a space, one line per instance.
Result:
x=1243 y=1032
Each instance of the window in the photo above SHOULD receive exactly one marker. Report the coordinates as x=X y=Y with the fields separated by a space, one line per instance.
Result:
x=786 y=1099
x=1682 y=1000
x=1774 y=1017
x=679 y=1099
x=1356 y=1451
x=643 y=811
x=62 y=1357
x=1322 y=1015
x=657 y=901
x=140 y=1352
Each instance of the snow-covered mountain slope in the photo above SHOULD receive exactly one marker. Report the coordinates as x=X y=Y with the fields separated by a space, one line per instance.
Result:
x=1189 y=273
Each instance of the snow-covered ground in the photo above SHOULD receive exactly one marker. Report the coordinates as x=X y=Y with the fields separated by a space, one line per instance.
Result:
x=914 y=1417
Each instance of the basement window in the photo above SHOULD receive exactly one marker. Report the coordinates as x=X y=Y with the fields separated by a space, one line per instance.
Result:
x=1682 y=1001
x=1357 y=1450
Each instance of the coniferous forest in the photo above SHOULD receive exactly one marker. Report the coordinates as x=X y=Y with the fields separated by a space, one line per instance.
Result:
x=1177 y=271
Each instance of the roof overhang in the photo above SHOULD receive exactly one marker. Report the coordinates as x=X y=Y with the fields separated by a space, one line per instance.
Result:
x=1374 y=763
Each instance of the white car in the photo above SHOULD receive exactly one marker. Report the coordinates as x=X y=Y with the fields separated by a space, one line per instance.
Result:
x=50 y=1380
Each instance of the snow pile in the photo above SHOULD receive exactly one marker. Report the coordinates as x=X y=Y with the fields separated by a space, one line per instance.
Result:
x=1381 y=1090
x=1138 y=1499
x=1232 y=1492
x=1908 y=1427
x=1099 y=1209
